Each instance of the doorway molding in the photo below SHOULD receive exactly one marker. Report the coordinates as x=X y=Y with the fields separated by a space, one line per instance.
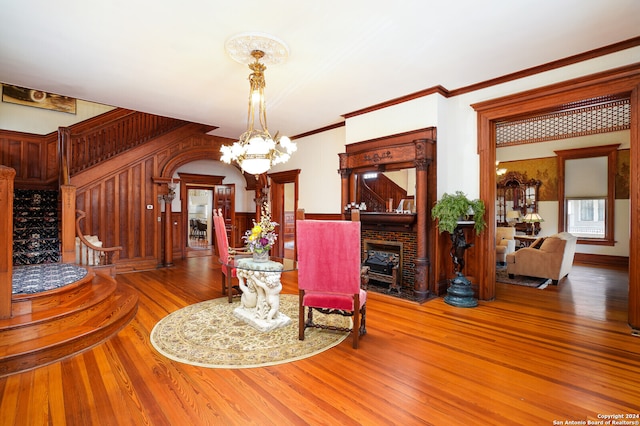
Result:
x=192 y=181
x=277 y=192
x=624 y=80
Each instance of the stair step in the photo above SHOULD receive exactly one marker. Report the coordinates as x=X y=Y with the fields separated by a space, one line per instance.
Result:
x=33 y=303
x=93 y=315
x=82 y=307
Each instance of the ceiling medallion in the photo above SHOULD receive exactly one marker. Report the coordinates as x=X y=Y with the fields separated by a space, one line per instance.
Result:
x=240 y=46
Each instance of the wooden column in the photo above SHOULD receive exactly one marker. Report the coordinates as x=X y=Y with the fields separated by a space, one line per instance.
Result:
x=7 y=176
x=424 y=155
x=421 y=288
x=168 y=232
x=345 y=175
x=168 y=218
x=68 y=223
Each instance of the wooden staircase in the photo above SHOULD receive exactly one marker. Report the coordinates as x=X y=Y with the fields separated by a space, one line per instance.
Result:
x=50 y=326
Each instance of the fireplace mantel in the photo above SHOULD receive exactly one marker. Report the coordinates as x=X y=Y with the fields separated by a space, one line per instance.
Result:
x=386 y=221
x=413 y=149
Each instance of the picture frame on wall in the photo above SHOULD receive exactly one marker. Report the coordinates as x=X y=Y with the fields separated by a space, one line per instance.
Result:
x=38 y=99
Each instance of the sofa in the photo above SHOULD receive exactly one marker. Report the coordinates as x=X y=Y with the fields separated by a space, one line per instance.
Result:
x=552 y=259
x=505 y=243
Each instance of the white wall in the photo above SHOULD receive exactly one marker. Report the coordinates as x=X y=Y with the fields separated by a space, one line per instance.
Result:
x=39 y=121
x=319 y=187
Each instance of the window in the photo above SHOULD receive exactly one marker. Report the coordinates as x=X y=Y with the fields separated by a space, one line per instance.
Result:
x=586 y=191
x=586 y=217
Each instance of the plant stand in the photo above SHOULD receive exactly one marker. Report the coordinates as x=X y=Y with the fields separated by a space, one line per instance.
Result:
x=460 y=293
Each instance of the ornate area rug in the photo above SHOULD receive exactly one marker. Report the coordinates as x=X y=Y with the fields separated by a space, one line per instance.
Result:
x=30 y=279
x=207 y=334
x=539 y=283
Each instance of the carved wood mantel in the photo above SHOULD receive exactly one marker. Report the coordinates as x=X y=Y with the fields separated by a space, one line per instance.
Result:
x=415 y=149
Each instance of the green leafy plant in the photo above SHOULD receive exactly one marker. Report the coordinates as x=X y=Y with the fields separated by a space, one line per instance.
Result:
x=452 y=208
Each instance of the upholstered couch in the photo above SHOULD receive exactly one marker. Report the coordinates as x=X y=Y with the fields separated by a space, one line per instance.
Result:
x=505 y=242
x=553 y=259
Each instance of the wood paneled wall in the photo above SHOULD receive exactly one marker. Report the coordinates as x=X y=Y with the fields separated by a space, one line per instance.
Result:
x=117 y=195
x=33 y=157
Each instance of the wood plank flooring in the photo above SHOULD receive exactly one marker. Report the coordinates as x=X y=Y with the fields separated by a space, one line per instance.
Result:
x=531 y=357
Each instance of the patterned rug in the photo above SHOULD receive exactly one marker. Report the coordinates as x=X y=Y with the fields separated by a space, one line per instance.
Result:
x=30 y=279
x=207 y=334
x=539 y=283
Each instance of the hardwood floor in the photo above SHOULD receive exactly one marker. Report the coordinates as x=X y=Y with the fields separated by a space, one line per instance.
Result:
x=531 y=357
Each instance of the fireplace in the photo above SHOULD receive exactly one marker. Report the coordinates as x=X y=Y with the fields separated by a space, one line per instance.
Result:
x=384 y=259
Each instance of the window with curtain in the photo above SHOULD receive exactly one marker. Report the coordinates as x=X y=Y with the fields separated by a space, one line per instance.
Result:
x=587 y=193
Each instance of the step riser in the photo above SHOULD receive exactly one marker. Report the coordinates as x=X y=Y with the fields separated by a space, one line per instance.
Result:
x=33 y=303
x=65 y=349
x=74 y=321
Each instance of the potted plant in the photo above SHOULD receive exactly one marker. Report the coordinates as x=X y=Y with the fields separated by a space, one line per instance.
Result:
x=453 y=208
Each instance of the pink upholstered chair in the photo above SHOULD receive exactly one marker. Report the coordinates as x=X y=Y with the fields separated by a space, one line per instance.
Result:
x=329 y=271
x=225 y=253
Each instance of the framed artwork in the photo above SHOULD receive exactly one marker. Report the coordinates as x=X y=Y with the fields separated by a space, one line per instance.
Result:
x=38 y=98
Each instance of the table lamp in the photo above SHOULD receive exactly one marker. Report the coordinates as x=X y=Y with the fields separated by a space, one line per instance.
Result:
x=532 y=218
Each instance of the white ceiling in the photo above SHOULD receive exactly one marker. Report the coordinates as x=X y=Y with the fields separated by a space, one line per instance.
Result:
x=167 y=57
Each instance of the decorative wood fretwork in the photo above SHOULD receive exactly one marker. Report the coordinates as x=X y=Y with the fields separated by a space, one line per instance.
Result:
x=598 y=115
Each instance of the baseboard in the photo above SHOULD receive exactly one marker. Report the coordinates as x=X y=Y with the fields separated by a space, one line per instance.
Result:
x=602 y=260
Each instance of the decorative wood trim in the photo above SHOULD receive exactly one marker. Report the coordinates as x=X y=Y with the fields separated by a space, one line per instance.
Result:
x=425 y=92
x=320 y=130
x=620 y=80
x=322 y=216
x=278 y=181
x=68 y=223
x=606 y=50
x=580 y=57
x=7 y=176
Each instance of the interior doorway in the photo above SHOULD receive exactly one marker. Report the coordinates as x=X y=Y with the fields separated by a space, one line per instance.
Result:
x=620 y=81
x=199 y=214
x=284 y=204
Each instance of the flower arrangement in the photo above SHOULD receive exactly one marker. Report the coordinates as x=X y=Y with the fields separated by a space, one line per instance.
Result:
x=262 y=236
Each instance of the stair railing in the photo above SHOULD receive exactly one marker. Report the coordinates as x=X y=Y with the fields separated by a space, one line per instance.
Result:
x=374 y=202
x=84 y=148
x=92 y=255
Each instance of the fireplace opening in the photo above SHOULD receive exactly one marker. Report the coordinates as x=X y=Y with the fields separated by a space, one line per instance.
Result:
x=384 y=258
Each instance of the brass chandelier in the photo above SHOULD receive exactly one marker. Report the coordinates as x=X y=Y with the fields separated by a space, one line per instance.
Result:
x=257 y=151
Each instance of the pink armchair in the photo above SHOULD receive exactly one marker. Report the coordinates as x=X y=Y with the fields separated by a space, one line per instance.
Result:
x=329 y=274
x=225 y=253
